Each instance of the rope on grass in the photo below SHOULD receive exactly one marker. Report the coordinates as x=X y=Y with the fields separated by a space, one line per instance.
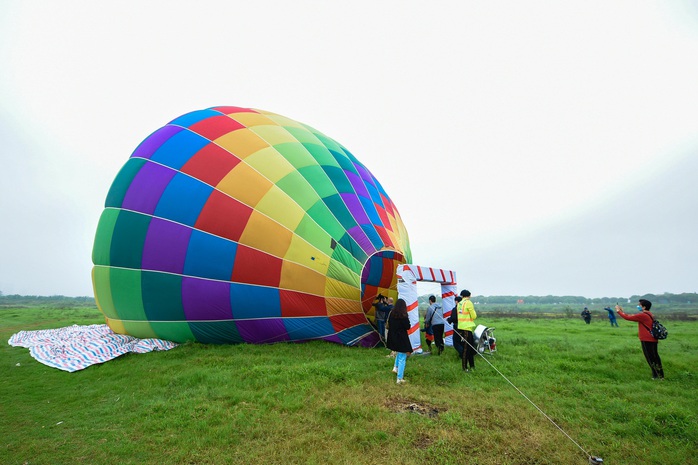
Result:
x=591 y=458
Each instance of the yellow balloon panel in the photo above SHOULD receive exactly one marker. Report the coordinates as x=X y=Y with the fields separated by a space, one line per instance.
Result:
x=241 y=143
x=270 y=164
x=244 y=184
x=301 y=252
x=337 y=306
x=278 y=205
x=263 y=233
x=273 y=134
x=337 y=288
x=251 y=119
x=300 y=278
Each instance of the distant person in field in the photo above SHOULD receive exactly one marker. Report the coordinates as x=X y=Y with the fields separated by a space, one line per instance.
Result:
x=649 y=344
x=434 y=320
x=586 y=314
x=398 y=337
x=611 y=316
x=463 y=320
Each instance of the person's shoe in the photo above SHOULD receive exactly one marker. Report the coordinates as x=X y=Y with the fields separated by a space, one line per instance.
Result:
x=401 y=381
x=394 y=370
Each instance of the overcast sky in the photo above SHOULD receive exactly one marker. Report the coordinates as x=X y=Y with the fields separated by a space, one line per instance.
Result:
x=534 y=148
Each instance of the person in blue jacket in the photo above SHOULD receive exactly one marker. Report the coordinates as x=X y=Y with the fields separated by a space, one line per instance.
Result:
x=611 y=316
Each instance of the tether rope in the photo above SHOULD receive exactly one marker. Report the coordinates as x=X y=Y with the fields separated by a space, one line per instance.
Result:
x=591 y=458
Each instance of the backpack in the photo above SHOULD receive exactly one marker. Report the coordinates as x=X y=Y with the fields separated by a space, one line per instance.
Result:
x=658 y=331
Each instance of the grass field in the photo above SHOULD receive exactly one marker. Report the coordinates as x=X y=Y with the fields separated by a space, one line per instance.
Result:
x=321 y=403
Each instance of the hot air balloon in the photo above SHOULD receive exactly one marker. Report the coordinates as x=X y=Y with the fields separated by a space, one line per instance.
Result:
x=232 y=225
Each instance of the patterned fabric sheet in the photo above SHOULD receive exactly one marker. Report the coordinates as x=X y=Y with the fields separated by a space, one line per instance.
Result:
x=77 y=347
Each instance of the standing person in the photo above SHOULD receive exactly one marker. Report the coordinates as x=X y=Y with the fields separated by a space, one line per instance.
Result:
x=453 y=320
x=388 y=308
x=429 y=330
x=649 y=344
x=383 y=306
x=434 y=319
x=586 y=314
x=398 y=338
x=428 y=333
x=611 y=316
x=465 y=325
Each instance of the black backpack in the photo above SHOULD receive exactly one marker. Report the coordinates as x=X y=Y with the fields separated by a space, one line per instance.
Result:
x=658 y=331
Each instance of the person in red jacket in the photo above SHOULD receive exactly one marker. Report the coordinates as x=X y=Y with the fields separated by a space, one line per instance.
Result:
x=644 y=321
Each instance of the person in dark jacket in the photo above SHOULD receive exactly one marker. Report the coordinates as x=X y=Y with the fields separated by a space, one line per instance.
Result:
x=649 y=344
x=383 y=306
x=398 y=337
x=452 y=320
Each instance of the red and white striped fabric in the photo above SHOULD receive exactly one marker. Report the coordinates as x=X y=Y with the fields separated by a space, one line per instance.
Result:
x=408 y=276
x=76 y=347
x=432 y=275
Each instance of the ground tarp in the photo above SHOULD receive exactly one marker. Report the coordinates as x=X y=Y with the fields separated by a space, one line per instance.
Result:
x=76 y=347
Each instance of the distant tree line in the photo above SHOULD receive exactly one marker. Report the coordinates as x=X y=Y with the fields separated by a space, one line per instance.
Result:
x=666 y=298
x=675 y=306
x=56 y=301
x=686 y=298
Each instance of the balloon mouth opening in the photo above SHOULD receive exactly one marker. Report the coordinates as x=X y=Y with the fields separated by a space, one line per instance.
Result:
x=379 y=277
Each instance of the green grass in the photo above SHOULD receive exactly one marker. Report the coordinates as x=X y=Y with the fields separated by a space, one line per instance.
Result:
x=318 y=403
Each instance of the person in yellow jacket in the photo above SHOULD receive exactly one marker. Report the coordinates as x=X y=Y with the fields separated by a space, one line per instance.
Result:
x=464 y=327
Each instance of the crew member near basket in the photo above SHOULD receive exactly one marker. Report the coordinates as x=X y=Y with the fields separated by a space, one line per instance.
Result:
x=644 y=321
x=463 y=321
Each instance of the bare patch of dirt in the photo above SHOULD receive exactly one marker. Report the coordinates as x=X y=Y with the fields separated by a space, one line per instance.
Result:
x=399 y=405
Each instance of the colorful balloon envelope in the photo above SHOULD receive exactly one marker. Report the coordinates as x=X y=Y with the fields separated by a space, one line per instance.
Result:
x=232 y=225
